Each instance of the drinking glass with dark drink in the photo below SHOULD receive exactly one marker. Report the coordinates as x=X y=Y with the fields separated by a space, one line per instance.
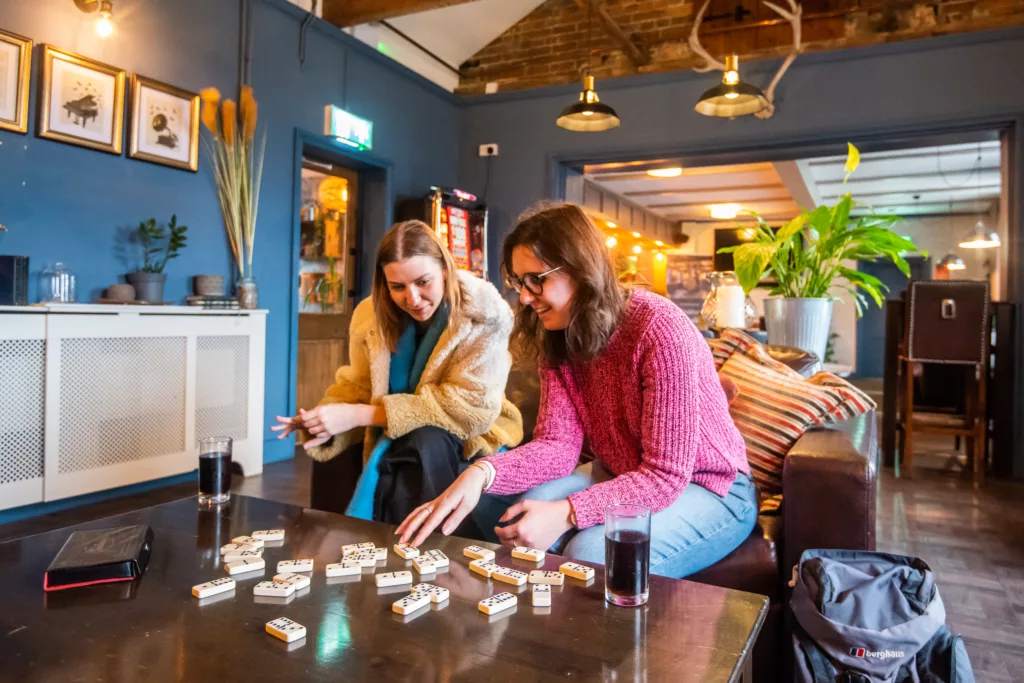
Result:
x=627 y=554
x=214 y=470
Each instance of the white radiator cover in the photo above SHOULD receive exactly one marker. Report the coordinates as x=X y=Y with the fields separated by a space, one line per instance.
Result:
x=96 y=397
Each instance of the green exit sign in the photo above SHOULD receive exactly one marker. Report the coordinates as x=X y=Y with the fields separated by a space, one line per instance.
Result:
x=348 y=128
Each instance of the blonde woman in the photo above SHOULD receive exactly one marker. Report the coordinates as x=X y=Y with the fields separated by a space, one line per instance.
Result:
x=423 y=394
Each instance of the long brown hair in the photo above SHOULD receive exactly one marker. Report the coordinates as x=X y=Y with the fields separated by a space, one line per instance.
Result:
x=561 y=235
x=405 y=240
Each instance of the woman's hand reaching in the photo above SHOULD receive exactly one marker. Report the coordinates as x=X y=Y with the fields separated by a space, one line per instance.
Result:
x=451 y=507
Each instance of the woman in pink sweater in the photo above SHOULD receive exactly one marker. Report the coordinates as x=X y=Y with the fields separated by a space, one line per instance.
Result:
x=626 y=375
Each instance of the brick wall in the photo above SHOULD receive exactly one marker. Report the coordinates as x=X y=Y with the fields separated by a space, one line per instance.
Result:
x=548 y=46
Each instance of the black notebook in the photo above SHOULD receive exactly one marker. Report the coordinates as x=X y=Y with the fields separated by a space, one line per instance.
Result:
x=100 y=556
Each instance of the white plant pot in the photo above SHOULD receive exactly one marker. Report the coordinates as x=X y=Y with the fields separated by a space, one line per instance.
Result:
x=802 y=323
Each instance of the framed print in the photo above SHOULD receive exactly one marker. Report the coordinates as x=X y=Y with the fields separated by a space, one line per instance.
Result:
x=81 y=102
x=164 y=124
x=15 y=74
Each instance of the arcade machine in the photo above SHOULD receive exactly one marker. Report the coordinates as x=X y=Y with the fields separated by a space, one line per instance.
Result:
x=461 y=223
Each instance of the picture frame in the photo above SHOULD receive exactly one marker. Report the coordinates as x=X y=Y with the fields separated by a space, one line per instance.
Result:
x=163 y=125
x=15 y=79
x=81 y=101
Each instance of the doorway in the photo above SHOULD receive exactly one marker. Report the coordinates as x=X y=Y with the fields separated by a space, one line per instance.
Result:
x=329 y=216
x=343 y=205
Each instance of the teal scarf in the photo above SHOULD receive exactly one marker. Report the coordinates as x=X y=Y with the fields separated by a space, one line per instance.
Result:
x=407 y=364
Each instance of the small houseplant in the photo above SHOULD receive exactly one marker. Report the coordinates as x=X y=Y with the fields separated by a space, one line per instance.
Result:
x=327 y=290
x=808 y=259
x=158 y=247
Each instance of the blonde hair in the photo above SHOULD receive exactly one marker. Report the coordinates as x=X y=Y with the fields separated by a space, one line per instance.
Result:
x=405 y=240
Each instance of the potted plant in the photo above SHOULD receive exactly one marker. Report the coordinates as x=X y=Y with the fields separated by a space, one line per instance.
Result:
x=327 y=289
x=805 y=259
x=158 y=247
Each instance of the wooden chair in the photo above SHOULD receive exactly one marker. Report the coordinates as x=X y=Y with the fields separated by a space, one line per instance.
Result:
x=947 y=322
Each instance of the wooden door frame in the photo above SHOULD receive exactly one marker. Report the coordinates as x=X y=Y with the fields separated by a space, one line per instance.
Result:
x=327 y=149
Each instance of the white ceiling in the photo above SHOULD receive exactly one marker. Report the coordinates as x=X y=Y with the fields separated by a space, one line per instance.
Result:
x=457 y=33
x=919 y=181
x=452 y=34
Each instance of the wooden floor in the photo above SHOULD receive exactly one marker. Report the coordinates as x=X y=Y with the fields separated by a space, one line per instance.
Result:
x=973 y=537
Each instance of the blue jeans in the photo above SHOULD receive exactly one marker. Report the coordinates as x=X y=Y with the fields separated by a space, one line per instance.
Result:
x=692 y=533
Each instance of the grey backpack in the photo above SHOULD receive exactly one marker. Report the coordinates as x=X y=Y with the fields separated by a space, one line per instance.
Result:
x=865 y=617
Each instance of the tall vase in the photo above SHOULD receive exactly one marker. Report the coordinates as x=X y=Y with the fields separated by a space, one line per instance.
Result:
x=801 y=323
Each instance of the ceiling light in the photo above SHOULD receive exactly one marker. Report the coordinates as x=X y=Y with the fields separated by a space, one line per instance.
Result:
x=633 y=258
x=638 y=249
x=659 y=256
x=611 y=225
x=105 y=24
x=636 y=234
x=611 y=242
x=589 y=114
x=980 y=237
x=952 y=262
x=673 y=172
x=732 y=97
x=724 y=211
x=659 y=243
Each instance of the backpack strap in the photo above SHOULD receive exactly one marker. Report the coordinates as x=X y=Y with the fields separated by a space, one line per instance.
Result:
x=816 y=661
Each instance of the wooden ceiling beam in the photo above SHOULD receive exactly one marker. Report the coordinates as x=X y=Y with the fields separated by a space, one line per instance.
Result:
x=636 y=56
x=343 y=13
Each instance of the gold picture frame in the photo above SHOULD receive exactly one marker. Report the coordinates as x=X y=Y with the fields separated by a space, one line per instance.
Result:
x=160 y=116
x=16 y=68
x=81 y=101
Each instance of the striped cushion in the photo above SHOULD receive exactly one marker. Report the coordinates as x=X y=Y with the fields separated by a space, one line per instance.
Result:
x=736 y=341
x=776 y=406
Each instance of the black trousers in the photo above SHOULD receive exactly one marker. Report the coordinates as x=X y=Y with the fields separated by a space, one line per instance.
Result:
x=415 y=469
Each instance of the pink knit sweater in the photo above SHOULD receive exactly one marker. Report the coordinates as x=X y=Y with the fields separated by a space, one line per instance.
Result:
x=650 y=406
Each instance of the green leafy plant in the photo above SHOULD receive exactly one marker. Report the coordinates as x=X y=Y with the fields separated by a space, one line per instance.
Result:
x=327 y=289
x=158 y=245
x=830 y=348
x=805 y=256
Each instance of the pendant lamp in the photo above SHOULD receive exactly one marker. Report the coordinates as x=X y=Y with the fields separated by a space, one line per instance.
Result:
x=980 y=237
x=732 y=97
x=952 y=262
x=589 y=114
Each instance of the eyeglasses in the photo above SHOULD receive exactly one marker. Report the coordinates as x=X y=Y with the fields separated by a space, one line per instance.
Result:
x=531 y=282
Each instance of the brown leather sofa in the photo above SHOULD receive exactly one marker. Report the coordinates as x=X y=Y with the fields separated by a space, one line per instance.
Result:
x=829 y=502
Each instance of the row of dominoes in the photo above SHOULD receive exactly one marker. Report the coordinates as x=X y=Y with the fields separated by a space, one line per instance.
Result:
x=518 y=578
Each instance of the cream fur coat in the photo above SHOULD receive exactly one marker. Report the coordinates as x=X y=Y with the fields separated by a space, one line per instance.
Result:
x=461 y=390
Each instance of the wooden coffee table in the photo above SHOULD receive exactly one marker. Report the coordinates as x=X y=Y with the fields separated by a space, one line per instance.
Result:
x=154 y=630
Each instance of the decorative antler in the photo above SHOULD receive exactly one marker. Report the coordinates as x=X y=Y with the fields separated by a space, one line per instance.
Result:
x=695 y=46
x=712 y=64
x=793 y=18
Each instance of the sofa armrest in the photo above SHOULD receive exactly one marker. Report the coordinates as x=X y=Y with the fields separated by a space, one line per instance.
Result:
x=828 y=485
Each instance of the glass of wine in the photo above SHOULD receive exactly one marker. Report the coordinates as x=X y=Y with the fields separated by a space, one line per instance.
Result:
x=214 y=470
x=627 y=554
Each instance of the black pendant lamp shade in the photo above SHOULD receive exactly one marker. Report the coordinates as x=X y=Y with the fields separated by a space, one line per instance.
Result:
x=952 y=262
x=589 y=114
x=732 y=97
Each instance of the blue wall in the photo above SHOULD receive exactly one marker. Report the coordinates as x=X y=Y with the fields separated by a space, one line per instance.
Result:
x=65 y=202
x=863 y=95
